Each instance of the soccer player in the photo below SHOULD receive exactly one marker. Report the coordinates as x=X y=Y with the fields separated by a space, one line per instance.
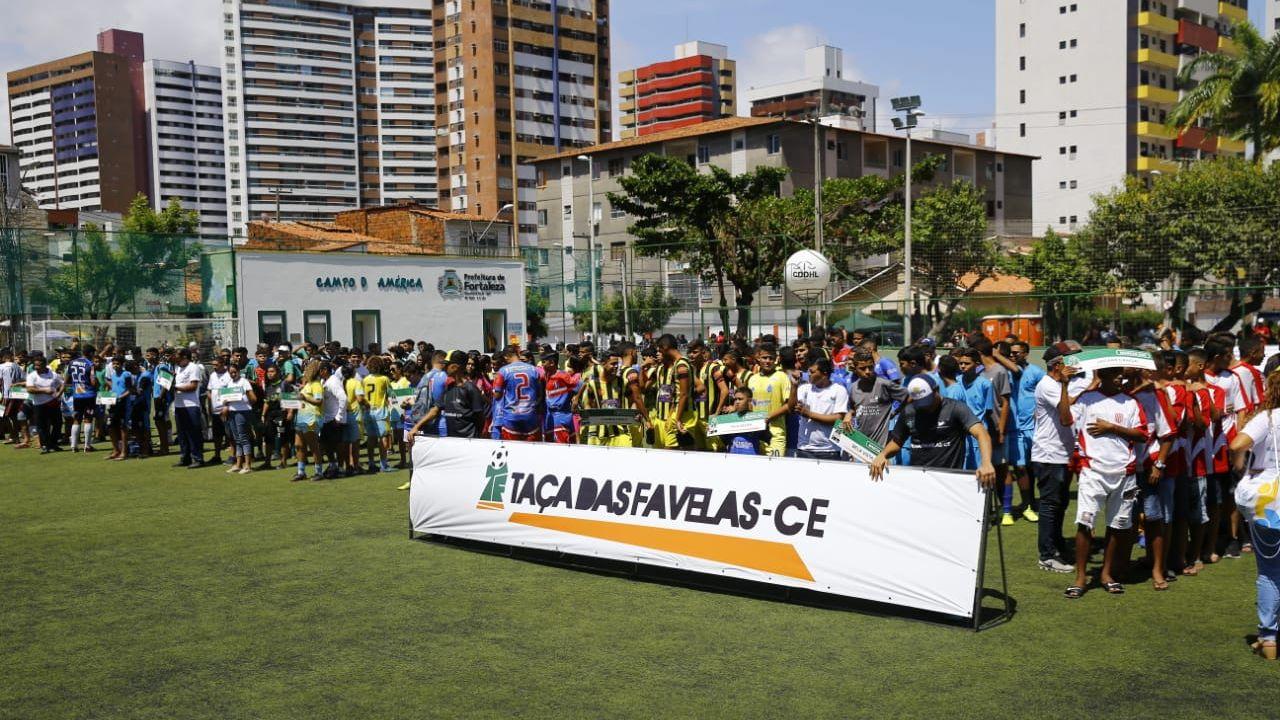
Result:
x=83 y=382
x=872 y=399
x=357 y=414
x=938 y=428
x=1024 y=378
x=1155 y=487
x=609 y=390
x=1110 y=430
x=711 y=392
x=1221 y=481
x=522 y=394
x=377 y=421
x=771 y=393
x=44 y=388
x=745 y=443
x=884 y=367
x=980 y=397
x=676 y=411
x=562 y=390
x=1002 y=389
x=463 y=406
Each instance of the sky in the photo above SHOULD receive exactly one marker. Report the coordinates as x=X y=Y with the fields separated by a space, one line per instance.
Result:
x=942 y=50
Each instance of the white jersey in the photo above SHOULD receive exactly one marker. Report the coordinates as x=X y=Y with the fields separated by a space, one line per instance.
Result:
x=1052 y=442
x=1110 y=454
x=1252 y=386
x=1161 y=422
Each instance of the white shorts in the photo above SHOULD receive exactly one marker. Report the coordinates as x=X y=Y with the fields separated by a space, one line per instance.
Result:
x=1114 y=493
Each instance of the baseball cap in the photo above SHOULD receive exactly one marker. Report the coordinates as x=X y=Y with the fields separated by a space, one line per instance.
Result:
x=920 y=390
x=1055 y=352
x=927 y=342
x=283 y=349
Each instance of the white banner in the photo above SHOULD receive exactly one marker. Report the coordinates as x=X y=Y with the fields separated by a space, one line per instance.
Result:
x=913 y=540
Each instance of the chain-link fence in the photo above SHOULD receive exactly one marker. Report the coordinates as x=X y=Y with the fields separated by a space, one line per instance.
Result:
x=203 y=334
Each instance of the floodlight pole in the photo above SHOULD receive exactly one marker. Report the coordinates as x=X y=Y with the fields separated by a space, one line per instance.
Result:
x=591 y=245
x=906 y=255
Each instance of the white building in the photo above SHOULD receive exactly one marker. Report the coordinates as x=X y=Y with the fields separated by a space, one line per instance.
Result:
x=823 y=85
x=328 y=106
x=1087 y=85
x=188 y=159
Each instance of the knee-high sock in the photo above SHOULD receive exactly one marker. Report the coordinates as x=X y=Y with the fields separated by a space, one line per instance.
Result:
x=75 y=435
x=1007 y=498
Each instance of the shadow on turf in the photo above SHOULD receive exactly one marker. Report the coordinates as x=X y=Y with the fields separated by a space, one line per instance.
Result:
x=989 y=617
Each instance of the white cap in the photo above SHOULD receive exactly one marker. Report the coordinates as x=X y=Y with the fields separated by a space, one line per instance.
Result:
x=283 y=349
x=919 y=390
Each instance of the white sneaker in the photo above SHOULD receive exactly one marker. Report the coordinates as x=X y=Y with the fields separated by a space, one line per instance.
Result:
x=1056 y=565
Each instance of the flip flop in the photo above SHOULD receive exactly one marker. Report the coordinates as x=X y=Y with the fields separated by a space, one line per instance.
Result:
x=1159 y=584
x=1074 y=592
x=1113 y=588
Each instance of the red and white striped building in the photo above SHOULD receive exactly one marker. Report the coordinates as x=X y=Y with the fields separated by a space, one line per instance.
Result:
x=700 y=84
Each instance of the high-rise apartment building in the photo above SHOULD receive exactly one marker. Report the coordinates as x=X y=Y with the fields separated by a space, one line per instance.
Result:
x=80 y=125
x=516 y=79
x=327 y=106
x=184 y=122
x=700 y=84
x=823 y=90
x=1273 y=18
x=1087 y=85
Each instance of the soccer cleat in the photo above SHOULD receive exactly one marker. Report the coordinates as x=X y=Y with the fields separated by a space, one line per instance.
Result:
x=1030 y=515
x=1007 y=519
x=404 y=486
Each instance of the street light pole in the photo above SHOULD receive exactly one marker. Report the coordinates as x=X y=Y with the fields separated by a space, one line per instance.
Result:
x=910 y=106
x=626 y=320
x=591 y=245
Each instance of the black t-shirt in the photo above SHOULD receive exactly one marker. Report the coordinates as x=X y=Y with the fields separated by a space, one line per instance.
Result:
x=938 y=437
x=463 y=407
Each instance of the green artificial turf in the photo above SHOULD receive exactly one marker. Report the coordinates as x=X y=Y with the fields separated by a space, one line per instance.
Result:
x=133 y=590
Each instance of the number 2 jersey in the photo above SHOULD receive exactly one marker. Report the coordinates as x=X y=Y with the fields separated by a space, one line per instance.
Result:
x=522 y=397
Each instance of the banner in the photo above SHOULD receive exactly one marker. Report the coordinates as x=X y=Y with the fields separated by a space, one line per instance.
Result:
x=913 y=540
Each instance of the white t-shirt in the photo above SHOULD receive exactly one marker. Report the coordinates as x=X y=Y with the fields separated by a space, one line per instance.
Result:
x=50 y=381
x=1052 y=442
x=831 y=400
x=243 y=384
x=1252 y=385
x=10 y=374
x=1109 y=454
x=192 y=373
x=335 y=399
x=1264 y=431
x=217 y=381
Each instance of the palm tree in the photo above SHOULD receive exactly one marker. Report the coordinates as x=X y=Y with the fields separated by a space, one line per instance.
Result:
x=1241 y=96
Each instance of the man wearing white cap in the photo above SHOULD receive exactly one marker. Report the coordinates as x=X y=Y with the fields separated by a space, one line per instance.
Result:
x=938 y=428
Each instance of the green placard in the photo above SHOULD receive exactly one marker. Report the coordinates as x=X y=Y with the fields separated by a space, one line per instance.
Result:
x=230 y=394
x=106 y=397
x=290 y=401
x=403 y=393
x=19 y=392
x=164 y=379
x=734 y=423
x=859 y=446
x=610 y=416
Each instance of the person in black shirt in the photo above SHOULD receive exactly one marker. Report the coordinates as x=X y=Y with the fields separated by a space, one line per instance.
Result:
x=938 y=428
x=463 y=404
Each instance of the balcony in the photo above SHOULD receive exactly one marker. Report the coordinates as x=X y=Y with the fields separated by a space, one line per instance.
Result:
x=1197 y=139
x=1156 y=130
x=1157 y=22
x=1159 y=95
x=1196 y=35
x=1233 y=13
x=1228 y=46
x=1151 y=56
x=1228 y=145
x=1155 y=164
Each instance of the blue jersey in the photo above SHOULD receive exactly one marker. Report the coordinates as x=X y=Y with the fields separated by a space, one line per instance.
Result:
x=80 y=378
x=522 y=394
x=1024 y=397
x=158 y=393
x=121 y=382
x=954 y=391
x=889 y=370
x=980 y=396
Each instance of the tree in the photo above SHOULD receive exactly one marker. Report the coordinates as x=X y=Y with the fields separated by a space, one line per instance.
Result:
x=648 y=311
x=1059 y=269
x=148 y=255
x=535 y=313
x=1241 y=96
x=681 y=215
x=949 y=251
x=1212 y=222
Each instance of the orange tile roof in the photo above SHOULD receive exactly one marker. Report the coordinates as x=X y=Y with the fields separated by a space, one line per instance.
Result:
x=424 y=210
x=999 y=285
x=309 y=236
x=704 y=128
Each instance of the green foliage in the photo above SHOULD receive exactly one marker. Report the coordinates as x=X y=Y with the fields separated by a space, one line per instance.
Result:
x=1061 y=271
x=535 y=312
x=648 y=311
x=1213 y=221
x=950 y=253
x=150 y=254
x=1240 y=97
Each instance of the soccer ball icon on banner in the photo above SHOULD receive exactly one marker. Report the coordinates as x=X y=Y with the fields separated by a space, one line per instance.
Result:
x=495 y=476
x=499 y=459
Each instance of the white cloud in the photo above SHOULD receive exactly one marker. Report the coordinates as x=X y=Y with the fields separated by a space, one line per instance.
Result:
x=778 y=55
x=37 y=32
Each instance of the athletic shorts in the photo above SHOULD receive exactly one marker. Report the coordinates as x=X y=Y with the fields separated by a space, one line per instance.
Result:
x=1019 y=450
x=682 y=437
x=376 y=423
x=305 y=424
x=622 y=439
x=562 y=434
x=351 y=428
x=83 y=407
x=1156 y=500
x=506 y=433
x=1113 y=494
x=1191 y=500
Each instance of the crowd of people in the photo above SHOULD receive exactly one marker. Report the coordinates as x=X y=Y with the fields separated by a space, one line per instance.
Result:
x=1150 y=451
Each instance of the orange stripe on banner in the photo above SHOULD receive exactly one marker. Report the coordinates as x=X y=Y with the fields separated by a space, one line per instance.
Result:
x=763 y=555
x=485 y=505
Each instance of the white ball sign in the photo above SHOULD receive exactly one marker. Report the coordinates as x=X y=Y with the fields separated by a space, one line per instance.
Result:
x=807 y=274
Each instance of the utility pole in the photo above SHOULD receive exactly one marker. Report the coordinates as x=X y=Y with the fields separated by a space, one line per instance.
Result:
x=626 y=287
x=278 y=191
x=910 y=106
x=591 y=245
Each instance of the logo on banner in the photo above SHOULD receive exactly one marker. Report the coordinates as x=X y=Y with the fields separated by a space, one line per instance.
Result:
x=495 y=475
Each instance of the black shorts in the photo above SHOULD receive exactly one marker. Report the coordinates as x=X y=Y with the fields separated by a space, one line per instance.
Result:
x=84 y=407
x=331 y=432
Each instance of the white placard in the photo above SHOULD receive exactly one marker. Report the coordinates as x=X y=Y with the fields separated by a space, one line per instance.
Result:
x=810 y=524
